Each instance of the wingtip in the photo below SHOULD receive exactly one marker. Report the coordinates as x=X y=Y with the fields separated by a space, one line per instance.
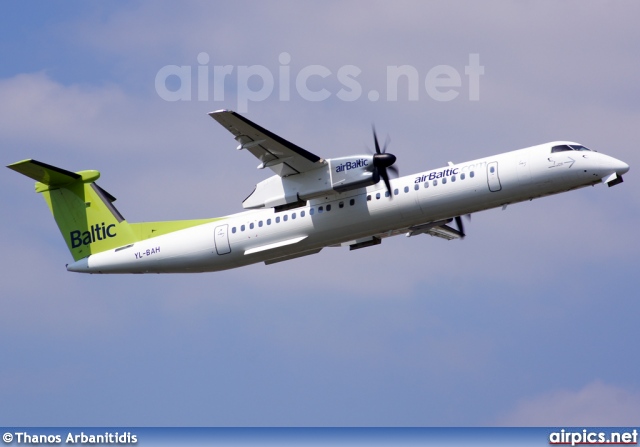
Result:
x=18 y=163
x=220 y=111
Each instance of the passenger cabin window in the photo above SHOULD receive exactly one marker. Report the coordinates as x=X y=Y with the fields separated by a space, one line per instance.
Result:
x=406 y=189
x=353 y=202
x=328 y=208
x=251 y=226
x=377 y=195
x=341 y=205
x=416 y=186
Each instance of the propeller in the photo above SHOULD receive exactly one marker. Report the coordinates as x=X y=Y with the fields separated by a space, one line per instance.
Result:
x=460 y=226
x=384 y=161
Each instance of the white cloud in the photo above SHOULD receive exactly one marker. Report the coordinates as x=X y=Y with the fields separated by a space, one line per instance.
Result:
x=596 y=404
x=79 y=117
x=37 y=107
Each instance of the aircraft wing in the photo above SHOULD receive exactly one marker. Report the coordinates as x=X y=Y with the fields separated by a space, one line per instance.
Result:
x=437 y=229
x=281 y=156
x=445 y=232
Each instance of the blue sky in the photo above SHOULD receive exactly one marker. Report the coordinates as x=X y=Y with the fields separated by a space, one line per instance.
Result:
x=531 y=320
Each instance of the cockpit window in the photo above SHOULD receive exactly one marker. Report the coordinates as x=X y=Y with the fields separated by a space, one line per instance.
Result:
x=562 y=148
x=577 y=147
x=567 y=147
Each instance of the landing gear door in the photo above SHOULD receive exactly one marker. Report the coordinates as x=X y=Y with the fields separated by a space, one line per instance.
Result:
x=222 y=239
x=492 y=177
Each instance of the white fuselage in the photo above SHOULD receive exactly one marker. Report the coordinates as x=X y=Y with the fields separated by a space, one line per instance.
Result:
x=358 y=215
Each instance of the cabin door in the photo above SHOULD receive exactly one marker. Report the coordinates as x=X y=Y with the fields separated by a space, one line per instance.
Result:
x=492 y=177
x=222 y=239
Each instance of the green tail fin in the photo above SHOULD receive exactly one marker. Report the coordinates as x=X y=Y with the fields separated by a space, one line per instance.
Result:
x=83 y=211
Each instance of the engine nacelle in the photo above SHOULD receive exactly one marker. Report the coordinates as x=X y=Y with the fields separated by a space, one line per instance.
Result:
x=337 y=175
x=353 y=172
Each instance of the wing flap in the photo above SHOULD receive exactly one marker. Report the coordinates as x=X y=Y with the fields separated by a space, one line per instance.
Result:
x=438 y=229
x=445 y=232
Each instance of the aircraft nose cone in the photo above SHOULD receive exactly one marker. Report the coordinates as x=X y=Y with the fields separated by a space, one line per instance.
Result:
x=613 y=164
x=622 y=167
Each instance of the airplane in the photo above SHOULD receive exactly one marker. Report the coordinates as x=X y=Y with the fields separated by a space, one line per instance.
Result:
x=308 y=204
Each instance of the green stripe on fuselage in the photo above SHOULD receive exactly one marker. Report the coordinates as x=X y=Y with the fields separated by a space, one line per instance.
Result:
x=147 y=230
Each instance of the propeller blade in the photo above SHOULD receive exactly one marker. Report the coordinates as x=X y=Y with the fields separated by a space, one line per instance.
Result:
x=375 y=139
x=383 y=161
x=460 y=226
x=394 y=171
x=385 y=178
x=386 y=143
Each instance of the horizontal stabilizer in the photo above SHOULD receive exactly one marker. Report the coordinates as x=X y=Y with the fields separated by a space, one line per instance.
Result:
x=44 y=173
x=51 y=177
